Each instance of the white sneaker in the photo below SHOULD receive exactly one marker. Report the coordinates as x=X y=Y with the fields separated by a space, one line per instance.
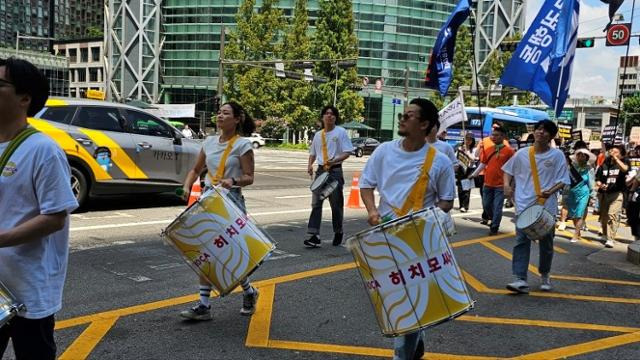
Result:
x=545 y=284
x=562 y=226
x=574 y=239
x=608 y=244
x=519 y=286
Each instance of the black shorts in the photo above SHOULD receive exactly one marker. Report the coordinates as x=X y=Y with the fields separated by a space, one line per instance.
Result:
x=31 y=338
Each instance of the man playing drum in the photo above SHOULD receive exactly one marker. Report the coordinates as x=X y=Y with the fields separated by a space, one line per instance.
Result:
x=330 y=147
x=406 y=180
x=539 y=172
x=35 y=200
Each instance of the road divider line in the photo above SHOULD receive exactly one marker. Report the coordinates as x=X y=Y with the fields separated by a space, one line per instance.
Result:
x=260 y=325
x=307 y=180
x=87 y=341
x=584 y=348
x=546 y=323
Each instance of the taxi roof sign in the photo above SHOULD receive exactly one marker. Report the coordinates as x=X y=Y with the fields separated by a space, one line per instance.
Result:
x=95 y=94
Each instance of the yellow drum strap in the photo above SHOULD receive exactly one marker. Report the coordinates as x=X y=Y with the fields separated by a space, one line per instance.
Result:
x=534 y=172
x=325 y=152
x=223 y=161
x=415 y=199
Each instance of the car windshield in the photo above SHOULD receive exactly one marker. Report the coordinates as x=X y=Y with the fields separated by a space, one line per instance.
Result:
x=358 y=140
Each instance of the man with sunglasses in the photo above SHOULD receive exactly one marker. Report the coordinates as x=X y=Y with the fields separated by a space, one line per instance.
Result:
x=396 y=170
x=35 y=200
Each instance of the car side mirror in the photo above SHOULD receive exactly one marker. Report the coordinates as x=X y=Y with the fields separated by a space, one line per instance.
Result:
x=177 y=138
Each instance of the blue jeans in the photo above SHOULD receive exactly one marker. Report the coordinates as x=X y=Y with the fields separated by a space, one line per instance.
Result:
x=404 y=347
x=493 y=202
x=522 y=252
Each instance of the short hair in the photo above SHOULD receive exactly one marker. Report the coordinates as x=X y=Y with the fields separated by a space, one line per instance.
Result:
x=27 y=80
x=428 y=112
x=247 y=124
x=334 y=110
x=580 y=145
x=500 y=129
x=620 y=148
x=548 y=126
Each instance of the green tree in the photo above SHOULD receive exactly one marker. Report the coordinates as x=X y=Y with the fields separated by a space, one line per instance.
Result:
x=257 y=37
x=297 y=95
x=631 y=112
x=335 y=39
x=94 y=32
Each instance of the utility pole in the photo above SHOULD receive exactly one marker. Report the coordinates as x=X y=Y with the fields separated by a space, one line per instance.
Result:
x=221 y=65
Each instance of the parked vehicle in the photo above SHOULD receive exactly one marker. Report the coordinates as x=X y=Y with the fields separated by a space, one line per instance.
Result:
x=256 y=140
x=364 y=146
x=115 y=148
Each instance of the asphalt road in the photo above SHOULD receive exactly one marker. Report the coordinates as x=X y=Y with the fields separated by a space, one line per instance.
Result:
x=126 y=287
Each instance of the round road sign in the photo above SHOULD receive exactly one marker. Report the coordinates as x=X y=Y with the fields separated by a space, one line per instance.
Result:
x=618 y=34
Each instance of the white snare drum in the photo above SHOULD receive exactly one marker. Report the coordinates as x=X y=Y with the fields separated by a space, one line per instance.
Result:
x=324 y=185
x=410 y=273
x=218 y=240
x=535 y=222
x=9 y=307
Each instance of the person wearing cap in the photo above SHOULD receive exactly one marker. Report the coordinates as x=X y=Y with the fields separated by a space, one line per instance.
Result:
x=582 y=182
x=610 y=181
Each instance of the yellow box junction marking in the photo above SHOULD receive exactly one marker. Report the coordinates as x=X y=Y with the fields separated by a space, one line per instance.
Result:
x=259 y=327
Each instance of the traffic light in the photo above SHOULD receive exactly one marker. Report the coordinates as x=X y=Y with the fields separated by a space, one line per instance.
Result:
x=586 y=42
x=508 y=45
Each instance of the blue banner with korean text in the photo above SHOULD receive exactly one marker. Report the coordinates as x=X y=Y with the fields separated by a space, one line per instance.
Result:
x=543 y=61
x=440 y=70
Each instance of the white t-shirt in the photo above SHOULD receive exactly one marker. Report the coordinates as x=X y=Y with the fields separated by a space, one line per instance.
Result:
x=36 y=182
x=447 y=150
x=552 y=169
x=213 y=150
x=338 y=142
x=187 y=133
x=394 y=171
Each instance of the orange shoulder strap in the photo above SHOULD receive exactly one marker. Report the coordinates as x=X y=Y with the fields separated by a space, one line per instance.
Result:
x=415 y=199
x=223 y=161
x=534 y=173
x=325 y=151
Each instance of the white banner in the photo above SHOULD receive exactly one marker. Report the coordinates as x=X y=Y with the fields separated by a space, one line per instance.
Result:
x=171 y=111
x=451 y=114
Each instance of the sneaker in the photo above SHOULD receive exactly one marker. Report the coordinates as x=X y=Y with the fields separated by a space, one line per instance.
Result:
x=545 y=283
x=198 y=312
x=574 y=239
x=337 y=239
x=562 y=226
x=249 y=303
x=519 y=286
x=493 y=232
x=313 y=241
x=485 y=222
x=608 y=244
x=463 y=210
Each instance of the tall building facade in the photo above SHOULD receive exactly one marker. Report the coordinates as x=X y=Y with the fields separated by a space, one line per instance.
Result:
x=628 y=81
x=86 y=65
x=58 y=19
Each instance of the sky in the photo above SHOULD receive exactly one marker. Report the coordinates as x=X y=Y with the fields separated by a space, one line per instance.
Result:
x=595 y=69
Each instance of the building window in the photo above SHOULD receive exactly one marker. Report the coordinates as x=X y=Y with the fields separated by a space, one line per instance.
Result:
x=82 y=75
x=84 y=55
x=73 y=55
x=93 y=74
x=95 y=54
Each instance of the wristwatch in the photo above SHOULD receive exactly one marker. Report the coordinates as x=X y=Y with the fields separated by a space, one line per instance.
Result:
x=234 y=182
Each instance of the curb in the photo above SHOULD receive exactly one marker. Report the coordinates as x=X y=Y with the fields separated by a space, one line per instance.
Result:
x=633 y=253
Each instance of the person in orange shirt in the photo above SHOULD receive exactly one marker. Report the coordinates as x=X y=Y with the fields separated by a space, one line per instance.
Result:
x=485 y=143
x=491 y=161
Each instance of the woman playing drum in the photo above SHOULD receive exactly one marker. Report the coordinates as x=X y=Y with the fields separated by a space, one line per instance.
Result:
x=235 y=172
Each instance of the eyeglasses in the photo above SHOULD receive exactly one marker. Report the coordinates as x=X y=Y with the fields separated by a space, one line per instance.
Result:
x=5 y=83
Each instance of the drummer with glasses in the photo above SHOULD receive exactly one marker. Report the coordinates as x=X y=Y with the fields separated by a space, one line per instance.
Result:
x=329 y=148
x=538 y=172
x=229 y=162
x=409 y=174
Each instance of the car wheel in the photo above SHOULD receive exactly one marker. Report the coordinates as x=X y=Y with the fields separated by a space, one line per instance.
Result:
x=255 y=144
x=359 y=153
x=79 y=186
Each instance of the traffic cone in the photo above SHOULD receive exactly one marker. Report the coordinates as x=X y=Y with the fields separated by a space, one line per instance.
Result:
x=195 y=193
x=354 y=195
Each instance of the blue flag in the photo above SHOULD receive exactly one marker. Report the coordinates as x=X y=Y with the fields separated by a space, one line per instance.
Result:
x=440 y=71
x=543 y=61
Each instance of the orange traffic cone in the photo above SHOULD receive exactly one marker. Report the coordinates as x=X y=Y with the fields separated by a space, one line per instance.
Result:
x=354 y=195
x=195 y=192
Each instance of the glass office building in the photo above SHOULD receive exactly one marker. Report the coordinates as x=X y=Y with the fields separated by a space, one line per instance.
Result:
x=394 y=36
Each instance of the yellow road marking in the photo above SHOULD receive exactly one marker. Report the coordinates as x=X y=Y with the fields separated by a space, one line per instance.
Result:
x=507 y=255
x=583 y=240
x=545 y=323
x=559 y=250
x=473 y=282
x=87 y=341
x=596 y=280
x=260 y=325
x=585 y=348
x=70 y=147
x=118 y=155
x=458 y=244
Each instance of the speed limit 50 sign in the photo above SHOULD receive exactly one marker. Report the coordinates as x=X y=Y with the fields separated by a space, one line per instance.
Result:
x=619 y=34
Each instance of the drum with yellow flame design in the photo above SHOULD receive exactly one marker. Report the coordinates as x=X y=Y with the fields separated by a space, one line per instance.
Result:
x=218 y=240
x=410 y=273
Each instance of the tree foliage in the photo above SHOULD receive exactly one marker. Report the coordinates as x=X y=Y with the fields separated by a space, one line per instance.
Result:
x=335 y=38
x=631 y=112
